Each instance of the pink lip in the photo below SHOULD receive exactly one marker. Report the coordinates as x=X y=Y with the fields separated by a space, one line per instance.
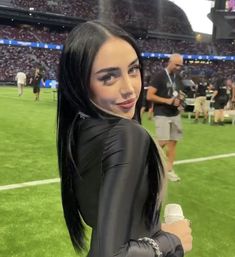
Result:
x=127 y=104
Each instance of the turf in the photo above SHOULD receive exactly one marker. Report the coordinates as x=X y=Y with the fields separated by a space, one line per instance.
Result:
x=31 y=221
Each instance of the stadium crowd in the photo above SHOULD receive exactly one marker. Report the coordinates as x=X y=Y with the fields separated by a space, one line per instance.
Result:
x=24 y=58
x=31 y=33
x=149 y=15
x=44 y=34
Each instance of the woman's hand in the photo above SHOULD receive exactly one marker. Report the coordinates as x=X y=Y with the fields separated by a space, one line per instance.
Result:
x=182 y=230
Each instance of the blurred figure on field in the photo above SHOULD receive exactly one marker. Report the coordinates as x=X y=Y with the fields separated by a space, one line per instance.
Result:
x=21 y=82
x=220 y=98
x=231 y=93
x=165 y=91
x=147 y=106
x=231 y=5
x=201 y=106
x=36 y=82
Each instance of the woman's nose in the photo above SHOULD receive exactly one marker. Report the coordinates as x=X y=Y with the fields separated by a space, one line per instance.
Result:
x=126 y=86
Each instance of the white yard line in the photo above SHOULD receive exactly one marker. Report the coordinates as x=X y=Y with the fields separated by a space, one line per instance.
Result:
x=30 y=184
x=56 y=180
x=221 y=156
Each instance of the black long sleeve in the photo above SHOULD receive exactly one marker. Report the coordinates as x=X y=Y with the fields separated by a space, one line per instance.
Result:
x=123 y=165
x=113 y=187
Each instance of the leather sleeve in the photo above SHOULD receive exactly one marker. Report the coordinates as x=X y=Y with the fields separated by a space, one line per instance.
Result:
x=124 y=159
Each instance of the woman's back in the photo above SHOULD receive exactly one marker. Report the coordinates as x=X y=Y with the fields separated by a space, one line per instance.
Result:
x=113 y=185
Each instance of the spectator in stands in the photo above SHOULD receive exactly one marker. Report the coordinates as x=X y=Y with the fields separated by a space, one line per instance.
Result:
x=164 y=91
x=220 y=99
x=36 y=82
x=112 y=176
x=201 y=105
x=21 y=82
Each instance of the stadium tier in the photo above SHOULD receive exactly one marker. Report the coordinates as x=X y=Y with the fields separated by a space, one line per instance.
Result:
x=25 y=44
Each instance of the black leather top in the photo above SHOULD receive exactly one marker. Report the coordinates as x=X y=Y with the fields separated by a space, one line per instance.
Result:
x=112 y=188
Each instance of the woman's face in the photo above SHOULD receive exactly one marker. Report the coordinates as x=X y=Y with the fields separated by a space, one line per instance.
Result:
x=115 y=81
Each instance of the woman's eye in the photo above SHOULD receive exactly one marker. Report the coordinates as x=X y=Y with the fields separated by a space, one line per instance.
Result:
x=134 y=70
x=107 y=79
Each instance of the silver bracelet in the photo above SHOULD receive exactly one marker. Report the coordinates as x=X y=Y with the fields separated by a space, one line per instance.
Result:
x=153 y=244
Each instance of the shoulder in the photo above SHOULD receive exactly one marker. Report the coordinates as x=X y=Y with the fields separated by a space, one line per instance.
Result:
x=127 y=144
x=128 y=133
x=92 y=129
x=120 y=132
x=126 y=126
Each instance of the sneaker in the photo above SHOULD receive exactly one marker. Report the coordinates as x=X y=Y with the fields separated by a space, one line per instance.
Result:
x=172 y=176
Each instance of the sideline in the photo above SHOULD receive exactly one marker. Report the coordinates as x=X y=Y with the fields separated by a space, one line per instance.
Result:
x=57 y=180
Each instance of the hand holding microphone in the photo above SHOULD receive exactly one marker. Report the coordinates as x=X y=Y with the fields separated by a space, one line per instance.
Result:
x=172 y=213
x=175 y=223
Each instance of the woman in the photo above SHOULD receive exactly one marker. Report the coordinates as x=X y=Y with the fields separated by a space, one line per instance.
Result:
x=111 y=172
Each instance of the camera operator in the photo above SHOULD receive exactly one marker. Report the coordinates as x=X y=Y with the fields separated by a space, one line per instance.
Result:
x=166 y=92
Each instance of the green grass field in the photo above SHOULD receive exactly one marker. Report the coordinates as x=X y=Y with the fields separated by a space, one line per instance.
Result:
x=31 y=221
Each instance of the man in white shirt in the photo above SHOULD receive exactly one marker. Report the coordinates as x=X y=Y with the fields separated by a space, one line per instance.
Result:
x=21 y=82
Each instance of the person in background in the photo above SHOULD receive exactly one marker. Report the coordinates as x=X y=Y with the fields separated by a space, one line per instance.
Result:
x=112 y=176
x=220 y=99
x=231 y=5
x=233 y=94
x=201 y=106
x=36 y=82
x=21 y=82
x=165 y=91
x=147 y=106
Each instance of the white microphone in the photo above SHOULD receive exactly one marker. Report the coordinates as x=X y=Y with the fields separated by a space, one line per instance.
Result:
x=172 y=213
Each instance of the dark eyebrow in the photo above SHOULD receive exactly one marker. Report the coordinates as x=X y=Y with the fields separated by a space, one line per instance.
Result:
x=107 y=70
x=112 y=69
x=136 y=60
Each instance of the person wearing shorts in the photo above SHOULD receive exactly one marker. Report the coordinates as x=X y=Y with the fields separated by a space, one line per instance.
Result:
x=164 y=91
x=201 y=106
x=21 y=82
x=220 y=99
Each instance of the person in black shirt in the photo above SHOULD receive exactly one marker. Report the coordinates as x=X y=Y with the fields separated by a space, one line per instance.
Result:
x=220 y=99
x=36 y=82
x=165 y=91
x=201 y=105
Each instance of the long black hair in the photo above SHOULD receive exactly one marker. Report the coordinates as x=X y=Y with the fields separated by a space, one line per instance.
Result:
x=76 y=61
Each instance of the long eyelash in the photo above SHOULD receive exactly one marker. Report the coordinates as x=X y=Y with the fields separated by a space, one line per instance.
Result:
x=137 y=66
x=105 y=77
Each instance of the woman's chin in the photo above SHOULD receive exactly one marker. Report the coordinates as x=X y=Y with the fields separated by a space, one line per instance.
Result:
x=128 y=115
